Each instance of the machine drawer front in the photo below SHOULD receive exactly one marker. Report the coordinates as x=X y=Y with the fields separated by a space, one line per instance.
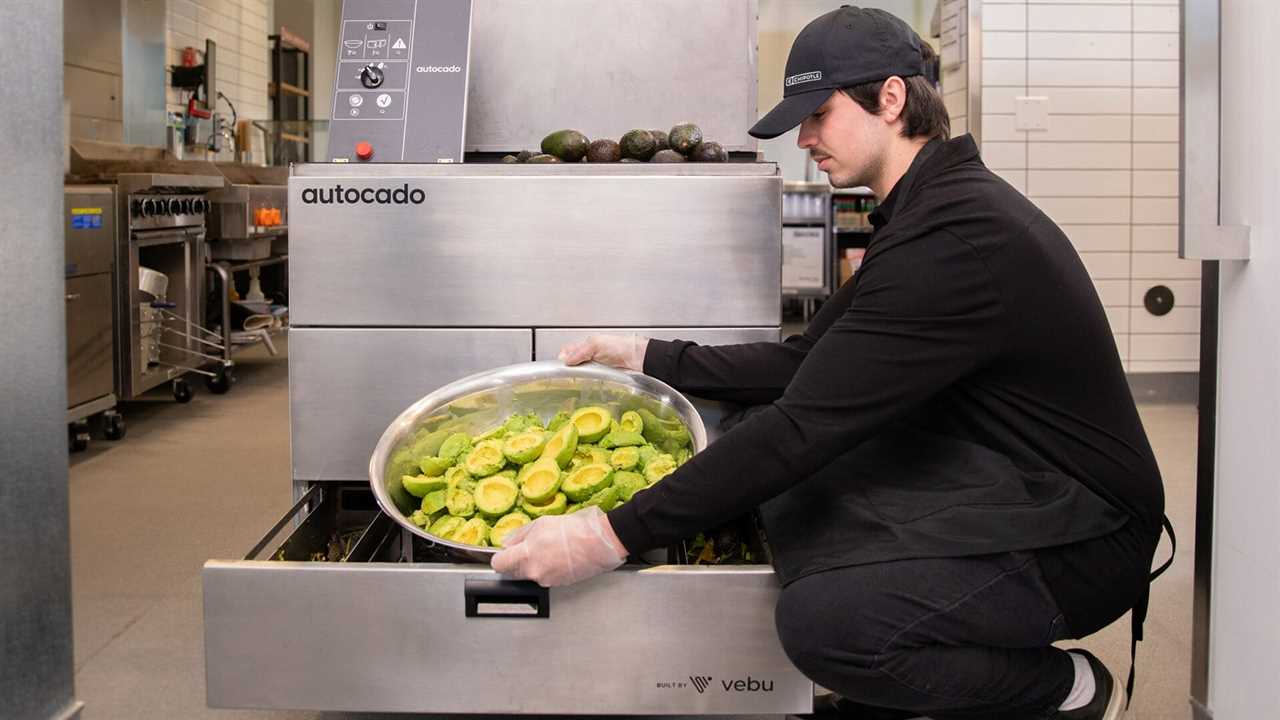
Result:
x=547 y=344
x=347 y=385
x=386 y=637
x=90 y=370
x=537 y=250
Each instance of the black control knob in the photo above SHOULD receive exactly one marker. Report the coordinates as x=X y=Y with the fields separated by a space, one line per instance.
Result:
x=135 y=208
x=372 y=76
x=148 y=208
x=198 y=206
x=186 y=206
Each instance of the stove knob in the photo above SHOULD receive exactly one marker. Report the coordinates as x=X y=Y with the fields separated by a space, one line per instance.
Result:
x=148 y=208
x=135 y=208
x=198 y=206
x=186 y=206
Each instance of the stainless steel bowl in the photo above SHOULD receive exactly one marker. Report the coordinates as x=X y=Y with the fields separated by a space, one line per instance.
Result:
x=479 y=402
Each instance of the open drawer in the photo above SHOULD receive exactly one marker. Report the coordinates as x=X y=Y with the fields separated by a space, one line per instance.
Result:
x=374 y=632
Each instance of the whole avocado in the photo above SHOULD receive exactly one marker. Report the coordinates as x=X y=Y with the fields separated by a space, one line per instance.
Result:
x=568 y=145
x=684 y=138
x=709 y=152
x=604 y=151
x=660 y=137
x=638 y=144
x=667 y=156
x=543 y=159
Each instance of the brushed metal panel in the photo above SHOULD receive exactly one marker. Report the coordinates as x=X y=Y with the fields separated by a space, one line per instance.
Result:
x=656 y=73
x=36 y=660
x=347 y=385
x=90 y=372
x=394 y=638
x=538 y=248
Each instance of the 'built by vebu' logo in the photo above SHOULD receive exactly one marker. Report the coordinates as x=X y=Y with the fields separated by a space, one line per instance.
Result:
x=749 y=684
x=700 y=682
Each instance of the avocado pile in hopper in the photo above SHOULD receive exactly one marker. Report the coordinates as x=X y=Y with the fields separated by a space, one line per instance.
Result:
x=682 y=143
x=475 y=490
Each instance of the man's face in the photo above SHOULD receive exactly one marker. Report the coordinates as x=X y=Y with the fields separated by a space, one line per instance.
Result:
x=846 y=141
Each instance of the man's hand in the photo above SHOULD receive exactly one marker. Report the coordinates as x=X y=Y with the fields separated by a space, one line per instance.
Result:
x=561 y=549
x=620 y=351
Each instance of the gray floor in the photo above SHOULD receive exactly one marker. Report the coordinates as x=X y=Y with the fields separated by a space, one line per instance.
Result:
x=205 y=480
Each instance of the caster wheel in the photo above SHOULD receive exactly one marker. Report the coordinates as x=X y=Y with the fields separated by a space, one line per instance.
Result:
x=78 y=436
x=113 y=427
x=220 y=383
x=181 y=391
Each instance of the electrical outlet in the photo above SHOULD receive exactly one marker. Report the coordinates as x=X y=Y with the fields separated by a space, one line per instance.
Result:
x=1032 y=112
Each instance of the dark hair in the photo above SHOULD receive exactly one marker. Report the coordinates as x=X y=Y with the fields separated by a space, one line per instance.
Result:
x=925 y=115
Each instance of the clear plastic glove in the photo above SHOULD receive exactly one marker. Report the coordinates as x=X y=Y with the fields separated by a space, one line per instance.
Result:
x=620 y=351
x=561 y=549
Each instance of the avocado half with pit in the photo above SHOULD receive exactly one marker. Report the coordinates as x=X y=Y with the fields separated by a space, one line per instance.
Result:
x=593 y=422
x=496 y=495
x=587 y=481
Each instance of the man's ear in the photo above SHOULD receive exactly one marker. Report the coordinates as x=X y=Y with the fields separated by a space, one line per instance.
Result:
x=893 y=99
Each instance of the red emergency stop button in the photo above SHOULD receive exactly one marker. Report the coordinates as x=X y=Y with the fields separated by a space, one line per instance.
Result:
x=364 y=150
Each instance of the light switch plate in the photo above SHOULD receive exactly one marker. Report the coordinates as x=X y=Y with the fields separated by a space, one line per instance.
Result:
x=1032 y=112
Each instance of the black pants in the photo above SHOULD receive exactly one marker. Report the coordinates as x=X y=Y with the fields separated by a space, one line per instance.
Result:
x=947 y=638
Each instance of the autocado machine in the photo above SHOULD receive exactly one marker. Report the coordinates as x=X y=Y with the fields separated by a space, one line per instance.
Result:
x=427 y=274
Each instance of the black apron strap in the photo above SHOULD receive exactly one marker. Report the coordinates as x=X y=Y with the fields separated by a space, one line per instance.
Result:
x=1140 y=610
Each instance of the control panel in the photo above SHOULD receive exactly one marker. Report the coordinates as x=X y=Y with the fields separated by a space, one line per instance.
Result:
x=148 y=211
x=400 y=92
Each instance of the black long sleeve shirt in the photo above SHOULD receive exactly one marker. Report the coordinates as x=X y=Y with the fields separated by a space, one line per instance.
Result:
x=971 y=318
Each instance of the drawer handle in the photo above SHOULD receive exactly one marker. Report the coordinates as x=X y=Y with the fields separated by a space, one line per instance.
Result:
x=72 y=297
x=518 y=599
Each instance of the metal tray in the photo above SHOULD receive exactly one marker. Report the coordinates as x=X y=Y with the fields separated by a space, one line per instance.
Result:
x=377 y=633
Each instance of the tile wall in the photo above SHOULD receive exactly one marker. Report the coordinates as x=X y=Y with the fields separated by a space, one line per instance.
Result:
x=1106 y=168
x=240 y=29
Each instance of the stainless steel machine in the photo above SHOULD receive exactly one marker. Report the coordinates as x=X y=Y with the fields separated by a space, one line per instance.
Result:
x=89 y=230
x=407 y=277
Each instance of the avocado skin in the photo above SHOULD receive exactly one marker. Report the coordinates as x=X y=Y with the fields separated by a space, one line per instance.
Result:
x=667 y=156
x=660 y=138
x=684 y=138
x=568 y=145
x=604 y=151
x=525 y=156
x=638 y=144
x=709 y=152
x=543 y=159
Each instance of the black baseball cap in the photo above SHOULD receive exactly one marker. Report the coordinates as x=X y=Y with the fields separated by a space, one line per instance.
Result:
x=845 y=47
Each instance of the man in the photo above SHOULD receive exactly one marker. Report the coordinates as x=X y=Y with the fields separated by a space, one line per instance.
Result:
x=948 y=462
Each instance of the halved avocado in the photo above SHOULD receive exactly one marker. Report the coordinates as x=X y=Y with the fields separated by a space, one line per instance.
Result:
x=496 y=495
x=420 y=519
x=621 y=438
x=605 y=499
x=445 y=526
x=420 y=485
x=473 y=532
x=524 y=447
x=592 y=422
x=628 y=484
x=541 y=482
x=587 y=481
x=658 y=468
x=561 y=446
x=455 y=446
x=460 y=502
x=433 y=502
x=625 y=458
x=631 y=422
x=505 y=525
x=555 y=507
x=485 y=459
x=433 y=466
